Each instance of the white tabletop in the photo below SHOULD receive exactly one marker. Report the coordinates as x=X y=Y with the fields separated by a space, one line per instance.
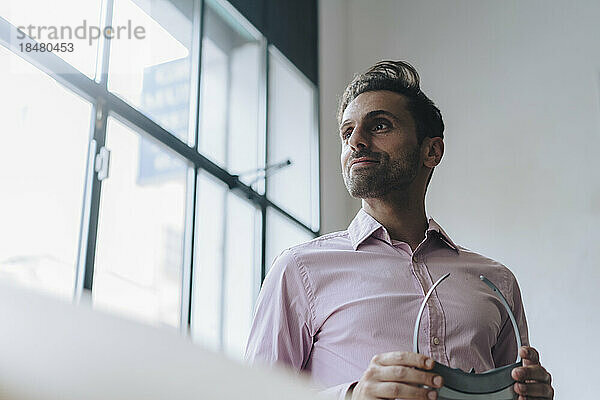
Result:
x=51 y=349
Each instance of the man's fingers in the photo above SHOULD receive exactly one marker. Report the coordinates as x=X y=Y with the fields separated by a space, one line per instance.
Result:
x=532 y=372
x=394 y=390
x=403 y=358
x=529 y=355
x=399 y=373
x=533 y=390
x=533 y=381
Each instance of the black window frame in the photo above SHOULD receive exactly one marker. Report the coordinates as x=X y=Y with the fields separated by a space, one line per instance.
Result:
x=105 y=103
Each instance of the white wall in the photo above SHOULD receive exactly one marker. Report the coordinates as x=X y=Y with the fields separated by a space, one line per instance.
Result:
x=333 y=78
x=518 y=84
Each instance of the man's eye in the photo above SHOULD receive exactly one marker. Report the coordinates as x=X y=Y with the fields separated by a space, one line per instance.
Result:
x=346 y=134
x=380 y=126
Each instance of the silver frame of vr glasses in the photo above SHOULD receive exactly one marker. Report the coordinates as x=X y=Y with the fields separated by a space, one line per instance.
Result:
x=450 y=394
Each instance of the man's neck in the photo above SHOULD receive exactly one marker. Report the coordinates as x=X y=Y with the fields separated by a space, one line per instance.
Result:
x=402 y=215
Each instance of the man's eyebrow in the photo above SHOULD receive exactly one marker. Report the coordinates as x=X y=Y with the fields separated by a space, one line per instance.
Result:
x=375 y=113
x=372 y=114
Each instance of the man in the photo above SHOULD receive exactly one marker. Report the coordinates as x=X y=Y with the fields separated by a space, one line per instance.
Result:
x=342 y=307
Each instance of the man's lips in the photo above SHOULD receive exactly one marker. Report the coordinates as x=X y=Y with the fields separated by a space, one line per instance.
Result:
x=363 y=161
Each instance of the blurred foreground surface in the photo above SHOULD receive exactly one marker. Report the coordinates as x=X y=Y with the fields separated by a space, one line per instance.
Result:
x=51 y=349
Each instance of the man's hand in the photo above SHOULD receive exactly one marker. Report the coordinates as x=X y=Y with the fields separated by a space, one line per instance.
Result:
x=533 y=381
x=395 y=375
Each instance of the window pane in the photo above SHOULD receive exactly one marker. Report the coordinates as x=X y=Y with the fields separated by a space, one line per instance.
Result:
x=43 y=151
x=293 y=135
x=208 y=263
x=231 y=108
x=282 y=233
x=59 y=21
x=242 y=280
x=226 y=268
x=139 y=253
x=153 y=73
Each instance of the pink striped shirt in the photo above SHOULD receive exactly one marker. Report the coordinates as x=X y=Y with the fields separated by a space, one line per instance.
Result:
x=329 y=305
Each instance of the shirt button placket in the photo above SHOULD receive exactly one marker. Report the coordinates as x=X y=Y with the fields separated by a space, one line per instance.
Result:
x=436 y=319
x=420 y=273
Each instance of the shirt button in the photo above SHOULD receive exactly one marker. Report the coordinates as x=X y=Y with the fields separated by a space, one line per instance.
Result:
x=436 y=341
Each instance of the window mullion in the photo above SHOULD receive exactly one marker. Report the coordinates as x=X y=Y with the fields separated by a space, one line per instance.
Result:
x=191 y=228
x=104 y=48
x=86 y=264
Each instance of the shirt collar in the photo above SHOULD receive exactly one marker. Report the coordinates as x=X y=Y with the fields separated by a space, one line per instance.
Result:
x=364 y=225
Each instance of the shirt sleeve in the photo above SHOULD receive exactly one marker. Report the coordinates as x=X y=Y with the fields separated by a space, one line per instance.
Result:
x=282 y=331
x=505 y=350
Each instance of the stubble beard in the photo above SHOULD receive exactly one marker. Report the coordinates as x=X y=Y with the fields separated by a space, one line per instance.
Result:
x=386 y=176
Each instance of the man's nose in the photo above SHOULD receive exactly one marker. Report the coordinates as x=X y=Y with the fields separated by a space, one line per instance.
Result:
x=359 y=139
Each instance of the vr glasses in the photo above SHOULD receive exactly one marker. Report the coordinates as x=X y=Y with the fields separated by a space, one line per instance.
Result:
x=495 y=384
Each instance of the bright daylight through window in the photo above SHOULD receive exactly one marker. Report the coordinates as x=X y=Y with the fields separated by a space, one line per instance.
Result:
x=147 y=166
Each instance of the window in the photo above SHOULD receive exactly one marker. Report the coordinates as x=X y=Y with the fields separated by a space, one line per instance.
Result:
x=139 y=251
x=43 y=151
x=293 y=135
x=241 y=276
x=207 y=306
x=231 y=98
x=228 y=245
x=150 y=174
x=154 y=73
x=58 y=21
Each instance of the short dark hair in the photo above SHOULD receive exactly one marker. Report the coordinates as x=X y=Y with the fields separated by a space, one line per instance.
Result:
x=399 y=77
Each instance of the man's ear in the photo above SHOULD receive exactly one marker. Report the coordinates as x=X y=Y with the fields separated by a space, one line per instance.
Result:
x=433 y=151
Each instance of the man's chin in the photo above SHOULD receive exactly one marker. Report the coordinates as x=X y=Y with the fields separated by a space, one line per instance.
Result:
x=365 y=192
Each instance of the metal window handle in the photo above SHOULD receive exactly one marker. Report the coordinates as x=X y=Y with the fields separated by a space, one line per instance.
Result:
x=102 y=163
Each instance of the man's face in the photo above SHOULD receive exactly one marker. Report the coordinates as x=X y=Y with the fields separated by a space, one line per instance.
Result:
x=380 y=152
